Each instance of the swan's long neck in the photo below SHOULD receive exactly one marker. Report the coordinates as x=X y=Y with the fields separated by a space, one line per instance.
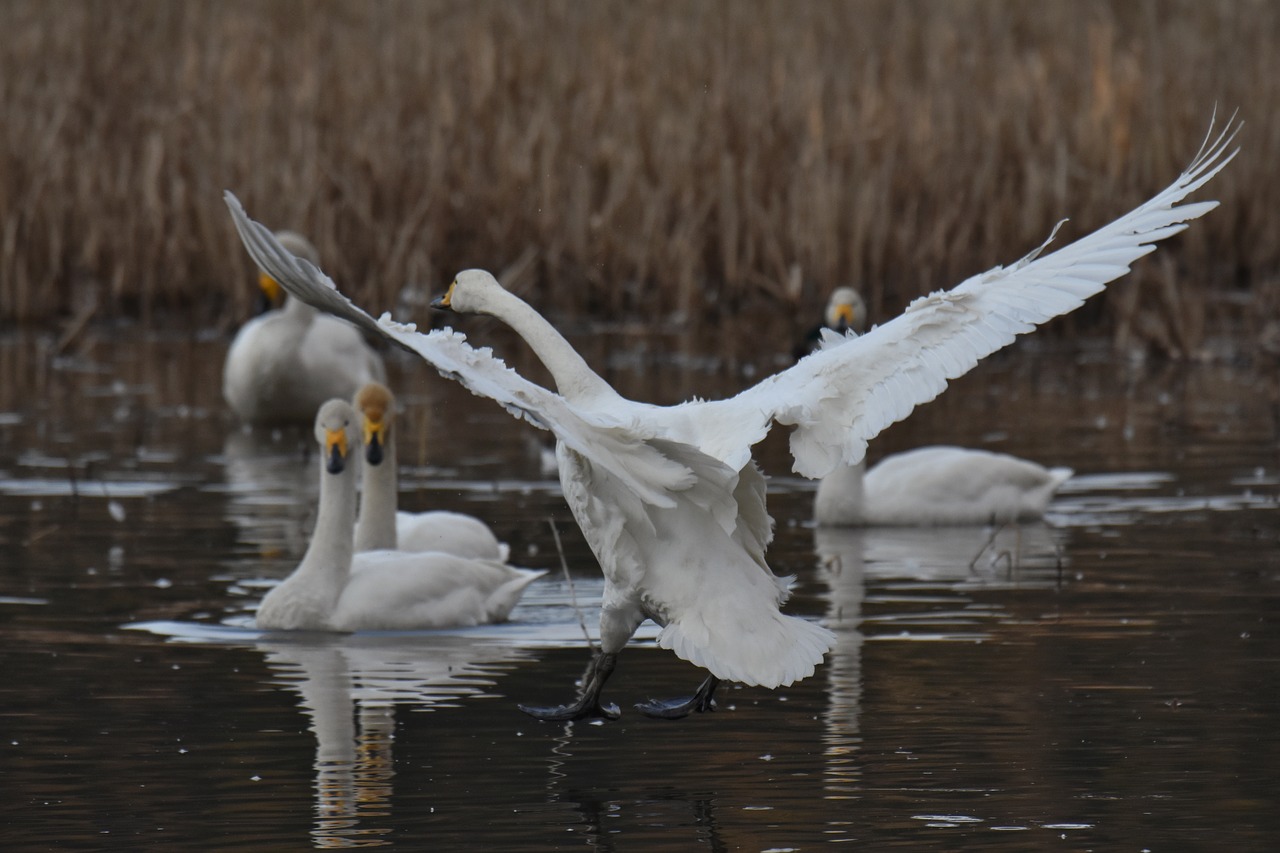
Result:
x=299 y=313
x=327 y=563
x=575 y=380
x=376 y=528
x=841 y=497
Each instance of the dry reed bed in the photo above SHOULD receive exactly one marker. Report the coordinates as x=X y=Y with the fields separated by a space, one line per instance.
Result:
x=648 y=159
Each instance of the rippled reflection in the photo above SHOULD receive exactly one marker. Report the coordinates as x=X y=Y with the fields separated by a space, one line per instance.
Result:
x=1107 y=679
x=271 y=488
x=350 y=688
x=919 y=578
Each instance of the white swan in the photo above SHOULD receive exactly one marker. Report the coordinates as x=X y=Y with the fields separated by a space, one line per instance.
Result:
x=937 y=486
x=334 y=589
x=669 y=498
x=283 y=364
x=380 y=525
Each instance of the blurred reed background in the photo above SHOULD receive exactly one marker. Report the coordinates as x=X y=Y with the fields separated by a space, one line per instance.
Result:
x=677 y=162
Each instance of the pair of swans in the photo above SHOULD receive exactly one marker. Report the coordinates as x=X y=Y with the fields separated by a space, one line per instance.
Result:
x=669 y=498
x=337 y=587
x=935 y=485
x=282 y=365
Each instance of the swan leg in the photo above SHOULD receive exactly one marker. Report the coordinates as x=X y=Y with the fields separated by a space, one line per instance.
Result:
x=703 y=699
x=588 y=704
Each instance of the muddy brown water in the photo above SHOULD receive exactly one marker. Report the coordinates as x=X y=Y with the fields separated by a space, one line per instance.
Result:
x=1108 y=679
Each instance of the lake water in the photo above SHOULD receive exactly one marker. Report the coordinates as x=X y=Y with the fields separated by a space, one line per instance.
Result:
x=1107 y=680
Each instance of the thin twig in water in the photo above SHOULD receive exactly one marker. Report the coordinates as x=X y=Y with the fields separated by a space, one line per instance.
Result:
x=573 y=596
x=41 y=534
x=1011 y=562
x=995 y=531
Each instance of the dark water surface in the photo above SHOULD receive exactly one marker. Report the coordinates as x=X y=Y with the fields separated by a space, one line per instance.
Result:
x=1109 y=680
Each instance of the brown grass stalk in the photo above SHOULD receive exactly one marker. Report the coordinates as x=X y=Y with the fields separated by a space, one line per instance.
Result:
x=660 y=160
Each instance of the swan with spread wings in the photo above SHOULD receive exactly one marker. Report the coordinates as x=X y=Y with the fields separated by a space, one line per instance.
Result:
x=669 y=498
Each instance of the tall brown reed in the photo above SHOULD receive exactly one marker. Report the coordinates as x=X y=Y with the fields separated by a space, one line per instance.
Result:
x=656 y=160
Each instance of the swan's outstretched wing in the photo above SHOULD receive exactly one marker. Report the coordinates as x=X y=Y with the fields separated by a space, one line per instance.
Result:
x=649 y=473
x=852 y=388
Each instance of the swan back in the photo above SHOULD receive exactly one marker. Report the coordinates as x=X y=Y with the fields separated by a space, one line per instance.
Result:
x=396 y=590
x=938 y=486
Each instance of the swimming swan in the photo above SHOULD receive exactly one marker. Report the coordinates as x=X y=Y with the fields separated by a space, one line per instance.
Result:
x=937 y=486
x=669 y=498
x=283 y=364
x=380 y=525
x=334 y=589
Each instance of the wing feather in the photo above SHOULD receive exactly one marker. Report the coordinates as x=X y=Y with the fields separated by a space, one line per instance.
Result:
x=841 y=396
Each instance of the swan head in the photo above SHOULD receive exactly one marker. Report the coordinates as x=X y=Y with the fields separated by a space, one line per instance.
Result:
x=846 y=310
x=298 y=245
x=472 y=292
x=375 y=405
x=337 y=432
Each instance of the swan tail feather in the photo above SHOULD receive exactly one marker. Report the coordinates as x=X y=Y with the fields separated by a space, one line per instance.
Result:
x=769 y=649
x=505 y=597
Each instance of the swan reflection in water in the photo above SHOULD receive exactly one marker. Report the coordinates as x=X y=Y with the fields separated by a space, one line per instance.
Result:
x=349 y=686
x=920 y=577
x=269 y=480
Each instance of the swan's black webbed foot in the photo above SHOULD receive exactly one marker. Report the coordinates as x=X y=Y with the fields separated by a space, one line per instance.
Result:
x=703 y=699
x=588 y=705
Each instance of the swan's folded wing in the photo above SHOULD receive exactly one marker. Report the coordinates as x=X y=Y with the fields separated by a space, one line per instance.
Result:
x=843 y=395
x=611 y=442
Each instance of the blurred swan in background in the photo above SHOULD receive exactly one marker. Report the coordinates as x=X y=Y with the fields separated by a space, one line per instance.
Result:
x=669 y=498
x=282 y=365
x=333 y=589
x=937 y=486
x=380 y=524
x=846 y=311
